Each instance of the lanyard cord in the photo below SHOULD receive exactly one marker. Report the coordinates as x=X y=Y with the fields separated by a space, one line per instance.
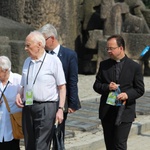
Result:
x=37 y=72
x=3 y=91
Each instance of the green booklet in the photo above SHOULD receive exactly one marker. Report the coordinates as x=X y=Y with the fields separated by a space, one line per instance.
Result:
x=112 y=98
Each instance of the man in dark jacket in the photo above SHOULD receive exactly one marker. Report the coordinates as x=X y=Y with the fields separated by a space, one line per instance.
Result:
x=118 y=72
x=69 y=61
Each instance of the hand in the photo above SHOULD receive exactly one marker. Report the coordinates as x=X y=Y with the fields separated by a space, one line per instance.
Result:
x=113 y=86
x=19 y=101
x=122 y=96
x=70 y=110
x=59 y=116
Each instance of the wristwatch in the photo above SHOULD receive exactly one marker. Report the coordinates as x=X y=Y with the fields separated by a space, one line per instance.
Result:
x=61 y=108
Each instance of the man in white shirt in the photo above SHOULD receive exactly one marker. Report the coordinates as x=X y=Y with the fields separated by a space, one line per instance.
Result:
x=42 y=80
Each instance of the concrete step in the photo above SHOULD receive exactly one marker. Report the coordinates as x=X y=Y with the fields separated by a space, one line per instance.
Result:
x=5 y=50
x=143 y=104
x=4 y=40
x=86 y=119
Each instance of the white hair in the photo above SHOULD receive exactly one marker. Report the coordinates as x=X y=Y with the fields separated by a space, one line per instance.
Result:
x=49 y=30
x=38 y=37
x=5 y=63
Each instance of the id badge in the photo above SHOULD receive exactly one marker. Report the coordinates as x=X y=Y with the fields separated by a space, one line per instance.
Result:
x=111 y=99
x=29 y=97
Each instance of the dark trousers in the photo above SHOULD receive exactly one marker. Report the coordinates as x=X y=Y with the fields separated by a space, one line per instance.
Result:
x=38 y=125
x=116 y=136
x=11 y=145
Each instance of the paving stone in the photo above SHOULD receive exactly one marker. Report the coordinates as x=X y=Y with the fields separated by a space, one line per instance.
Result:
x=86 y=119
x=69 y=134
x=81 y=125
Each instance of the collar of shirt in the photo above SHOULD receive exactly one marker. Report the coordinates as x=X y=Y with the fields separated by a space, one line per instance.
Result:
x=40 y=59
x=56 y=50
x=121 y=60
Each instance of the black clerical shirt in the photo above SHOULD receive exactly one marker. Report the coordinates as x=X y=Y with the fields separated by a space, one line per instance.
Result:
x=118 y=68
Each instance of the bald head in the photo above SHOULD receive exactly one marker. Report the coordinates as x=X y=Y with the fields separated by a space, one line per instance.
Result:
x=34 y=44
x=37 y=37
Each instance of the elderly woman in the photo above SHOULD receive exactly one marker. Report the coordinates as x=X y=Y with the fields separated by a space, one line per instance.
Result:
x=9 y=86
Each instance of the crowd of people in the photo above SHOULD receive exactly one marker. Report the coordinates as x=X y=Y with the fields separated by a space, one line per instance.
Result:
x=47 y=91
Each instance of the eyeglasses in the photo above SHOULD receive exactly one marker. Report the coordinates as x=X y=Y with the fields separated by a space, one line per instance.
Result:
x=48 y=38
x=110 y=48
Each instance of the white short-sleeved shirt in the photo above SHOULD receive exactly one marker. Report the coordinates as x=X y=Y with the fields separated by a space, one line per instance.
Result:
x=43 y=80
x=10 y=93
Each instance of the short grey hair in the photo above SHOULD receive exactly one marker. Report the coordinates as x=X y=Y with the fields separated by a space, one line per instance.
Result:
x=5 y=63
x=38 y=37
x=49 y=30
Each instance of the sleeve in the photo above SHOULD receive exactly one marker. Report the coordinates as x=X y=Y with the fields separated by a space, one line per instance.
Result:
x=58 y=72
x=99 y=85
x=72 y=82
x=137 y=89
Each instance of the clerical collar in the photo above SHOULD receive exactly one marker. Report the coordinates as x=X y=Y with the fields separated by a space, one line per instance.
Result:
x=120 y=60
x=117 y=60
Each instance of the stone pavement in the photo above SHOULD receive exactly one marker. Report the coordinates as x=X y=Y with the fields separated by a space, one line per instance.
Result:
x=138 y=142
x=88 y=135
x=84 y=131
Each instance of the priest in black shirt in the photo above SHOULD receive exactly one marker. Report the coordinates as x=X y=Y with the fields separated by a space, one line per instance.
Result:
x=118 y=72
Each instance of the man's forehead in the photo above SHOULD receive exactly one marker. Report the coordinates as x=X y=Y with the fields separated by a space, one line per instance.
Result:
x=29 y=39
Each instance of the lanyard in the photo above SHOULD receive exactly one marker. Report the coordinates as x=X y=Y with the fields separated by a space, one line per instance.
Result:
x=37 y=72
x=3 y=91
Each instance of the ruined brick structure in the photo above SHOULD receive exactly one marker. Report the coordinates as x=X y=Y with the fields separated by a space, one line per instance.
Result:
x=83 y=25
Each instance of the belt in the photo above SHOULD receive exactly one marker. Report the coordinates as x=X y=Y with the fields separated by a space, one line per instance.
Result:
x=40 y=102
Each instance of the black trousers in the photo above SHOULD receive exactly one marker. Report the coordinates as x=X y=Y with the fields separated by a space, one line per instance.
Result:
x=116 y=136
x=11 y=145
x=38 y=125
